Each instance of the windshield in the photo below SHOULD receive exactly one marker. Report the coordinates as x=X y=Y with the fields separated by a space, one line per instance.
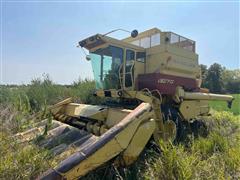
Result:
x=106 y=64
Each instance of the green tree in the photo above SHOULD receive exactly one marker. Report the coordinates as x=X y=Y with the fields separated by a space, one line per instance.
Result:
x=204 y=71
x=214 y=80
x=231 y=80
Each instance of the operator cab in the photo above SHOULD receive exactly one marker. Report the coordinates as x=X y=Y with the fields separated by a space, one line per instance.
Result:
x=147 y=60
x=113 y=61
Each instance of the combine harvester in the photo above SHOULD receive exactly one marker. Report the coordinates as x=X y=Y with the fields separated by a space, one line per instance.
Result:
x=156 y=80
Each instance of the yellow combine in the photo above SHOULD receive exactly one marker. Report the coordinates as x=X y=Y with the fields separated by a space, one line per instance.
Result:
x=156 y=80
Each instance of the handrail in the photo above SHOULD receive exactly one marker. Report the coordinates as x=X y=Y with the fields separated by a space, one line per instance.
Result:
x=120 y=75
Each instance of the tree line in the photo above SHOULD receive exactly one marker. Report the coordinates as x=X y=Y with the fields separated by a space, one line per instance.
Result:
x=216 y=78
x=219 y=79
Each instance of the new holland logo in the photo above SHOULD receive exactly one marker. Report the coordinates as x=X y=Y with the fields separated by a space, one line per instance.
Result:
x=165 y=81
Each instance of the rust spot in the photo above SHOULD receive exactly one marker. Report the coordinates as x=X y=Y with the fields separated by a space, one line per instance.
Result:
x=129 y=160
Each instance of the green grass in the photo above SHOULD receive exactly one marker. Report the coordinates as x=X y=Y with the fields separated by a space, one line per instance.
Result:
x=42 y=92
x=214 y=157
x=222 y=106
x=20 y=161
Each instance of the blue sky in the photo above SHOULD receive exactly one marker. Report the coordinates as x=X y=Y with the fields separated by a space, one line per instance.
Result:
x=41 y=37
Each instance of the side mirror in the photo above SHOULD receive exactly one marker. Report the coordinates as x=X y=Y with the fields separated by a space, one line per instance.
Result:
x=88 y=58
x=134 y=33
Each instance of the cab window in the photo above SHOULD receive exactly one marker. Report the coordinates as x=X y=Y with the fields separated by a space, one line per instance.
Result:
x=130 y=55
x=141 y=56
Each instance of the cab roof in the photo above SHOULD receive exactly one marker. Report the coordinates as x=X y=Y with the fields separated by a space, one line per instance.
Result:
x=94 y=42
